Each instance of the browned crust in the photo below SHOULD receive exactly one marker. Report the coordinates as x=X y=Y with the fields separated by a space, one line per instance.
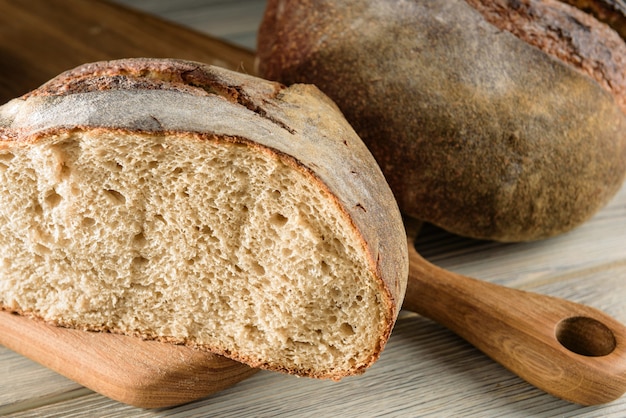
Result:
x=566 y=33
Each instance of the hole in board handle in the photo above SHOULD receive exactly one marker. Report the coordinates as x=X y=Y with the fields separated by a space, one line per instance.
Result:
x=586 y=336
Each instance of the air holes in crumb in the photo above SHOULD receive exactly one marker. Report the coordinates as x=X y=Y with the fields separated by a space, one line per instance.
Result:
x=205 y=229
x=325 y=267
x=42 y=249
x=87 y=222
x=37 y=209
x=276 y=194
x=278 y=220
x=252 y=331
x=5 y=160
x=53 y=199
x=240 y=175
x=115 y=196
x=139 y=262
x=139 y=240
x=346 y=329
x=160 y=218
x=65 y=171
x=258 y=269
x=117 y=166
x=208 y=233
x=6 y=157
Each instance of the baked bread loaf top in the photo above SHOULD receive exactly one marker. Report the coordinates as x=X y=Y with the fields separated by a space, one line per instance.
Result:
x=186 y=203
x=499 y=120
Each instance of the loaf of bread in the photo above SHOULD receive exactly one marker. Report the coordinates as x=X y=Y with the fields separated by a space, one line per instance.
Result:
x=499 y=120
x=181 y=202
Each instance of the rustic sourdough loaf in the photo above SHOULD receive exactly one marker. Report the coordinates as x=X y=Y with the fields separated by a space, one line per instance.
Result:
x=181 y=202
x=498 y=120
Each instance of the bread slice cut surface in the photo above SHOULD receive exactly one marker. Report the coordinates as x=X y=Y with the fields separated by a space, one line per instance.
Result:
x=186 y=234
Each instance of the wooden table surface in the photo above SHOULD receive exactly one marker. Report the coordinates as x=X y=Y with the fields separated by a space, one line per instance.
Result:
x=425 y=369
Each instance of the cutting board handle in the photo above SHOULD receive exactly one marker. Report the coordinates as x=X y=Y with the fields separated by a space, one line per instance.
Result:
x=569 y=350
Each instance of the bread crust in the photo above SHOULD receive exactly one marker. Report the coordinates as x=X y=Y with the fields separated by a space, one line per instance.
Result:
x=476 y=130
x=298 y=124
x=611 y=12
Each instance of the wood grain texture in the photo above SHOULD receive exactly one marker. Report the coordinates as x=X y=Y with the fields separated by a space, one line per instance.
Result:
x=425 y=371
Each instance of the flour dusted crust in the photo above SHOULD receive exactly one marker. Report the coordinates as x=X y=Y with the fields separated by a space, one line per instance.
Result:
x=497 y=120
x=187 y=203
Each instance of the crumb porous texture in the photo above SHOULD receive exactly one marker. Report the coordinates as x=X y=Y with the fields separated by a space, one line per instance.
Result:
x=169 y=210
x=476 y=130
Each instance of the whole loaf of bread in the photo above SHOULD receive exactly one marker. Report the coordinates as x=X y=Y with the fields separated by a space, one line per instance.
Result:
x=186 y=203
x=497 y=120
